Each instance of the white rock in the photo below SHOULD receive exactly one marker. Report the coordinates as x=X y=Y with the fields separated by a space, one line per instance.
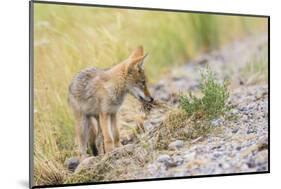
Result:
x=176 y=145
x=163 y=158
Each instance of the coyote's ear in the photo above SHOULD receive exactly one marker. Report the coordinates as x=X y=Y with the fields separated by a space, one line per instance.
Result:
x=141 y=62
x=136 y=63
x=138 y=52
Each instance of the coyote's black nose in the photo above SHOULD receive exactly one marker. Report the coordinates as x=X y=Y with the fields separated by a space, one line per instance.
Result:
x=150 y=99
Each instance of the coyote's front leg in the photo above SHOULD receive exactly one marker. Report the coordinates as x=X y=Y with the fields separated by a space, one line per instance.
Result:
x=106 y=128
x=115 y=130
x=110 y=131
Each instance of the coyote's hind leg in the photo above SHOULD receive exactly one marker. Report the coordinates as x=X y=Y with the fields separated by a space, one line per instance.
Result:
x=95 y=138
x=83 y=135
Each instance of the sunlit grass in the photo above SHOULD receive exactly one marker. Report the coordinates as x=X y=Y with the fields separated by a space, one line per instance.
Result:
x=256 y=71
x=69 y=39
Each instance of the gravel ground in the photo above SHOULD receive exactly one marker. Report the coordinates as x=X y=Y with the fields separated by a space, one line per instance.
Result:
x=242 y=146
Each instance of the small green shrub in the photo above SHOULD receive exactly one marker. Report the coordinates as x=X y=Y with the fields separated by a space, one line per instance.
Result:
x=214 y=100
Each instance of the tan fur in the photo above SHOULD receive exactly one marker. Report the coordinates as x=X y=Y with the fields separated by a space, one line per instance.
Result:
x=96 y=95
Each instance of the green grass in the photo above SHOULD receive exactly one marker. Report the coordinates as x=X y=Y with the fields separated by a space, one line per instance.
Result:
x=214 y=100
x=256 y=70
x=68 y=39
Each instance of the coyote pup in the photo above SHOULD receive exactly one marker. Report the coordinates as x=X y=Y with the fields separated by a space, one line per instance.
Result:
x=95 y=96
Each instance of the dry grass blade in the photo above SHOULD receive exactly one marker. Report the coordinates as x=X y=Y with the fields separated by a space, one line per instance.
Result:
x=49 y=172
x=148 y=106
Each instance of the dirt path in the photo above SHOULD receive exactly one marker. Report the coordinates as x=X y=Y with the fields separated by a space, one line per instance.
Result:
x=240 y=146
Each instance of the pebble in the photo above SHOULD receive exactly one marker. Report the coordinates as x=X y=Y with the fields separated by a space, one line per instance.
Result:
x=251 y=130
x=189 y=155
x=171 y=163
x=72 y=163
x=163 y=158
x=245 y=118
x=176 y=145
x=235 y=130
x=238 y=148
x=251 y=164
x=147 y=125
x=178 y=159
x=234 y=111
x=217 y=122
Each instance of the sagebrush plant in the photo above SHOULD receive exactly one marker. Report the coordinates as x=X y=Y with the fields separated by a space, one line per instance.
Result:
x=193 y=119
x=214 y=100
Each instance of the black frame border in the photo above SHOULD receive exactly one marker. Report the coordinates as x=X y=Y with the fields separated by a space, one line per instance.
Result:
x=31 y=92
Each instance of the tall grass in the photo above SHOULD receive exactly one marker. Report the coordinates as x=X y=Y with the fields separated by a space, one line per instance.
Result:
x=256 y=71
x=68 y=39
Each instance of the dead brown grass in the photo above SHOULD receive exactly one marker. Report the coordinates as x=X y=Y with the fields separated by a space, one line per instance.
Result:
x=180 y=126
x=49 y=172
x=120 y=164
